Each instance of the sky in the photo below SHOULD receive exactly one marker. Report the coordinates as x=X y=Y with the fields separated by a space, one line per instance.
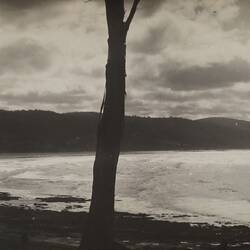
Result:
x=185 y=58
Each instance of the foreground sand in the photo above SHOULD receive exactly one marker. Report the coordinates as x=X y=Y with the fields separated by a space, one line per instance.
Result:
x=26 y=229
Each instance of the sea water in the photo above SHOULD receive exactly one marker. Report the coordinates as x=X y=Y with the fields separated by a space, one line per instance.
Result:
x=189 y=186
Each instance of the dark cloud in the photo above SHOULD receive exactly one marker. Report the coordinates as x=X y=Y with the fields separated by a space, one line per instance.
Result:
x=169 y=44
x=220 y=104
x=24 y=56
x=31 y=13
x=148 y=7
x=152 y=43
x=27 y=4
x=27 y=13
x=216 y=75
x=244 y=17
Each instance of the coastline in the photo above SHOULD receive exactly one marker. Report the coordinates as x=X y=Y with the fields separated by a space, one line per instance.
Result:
x=6 y=155
x=23 y=228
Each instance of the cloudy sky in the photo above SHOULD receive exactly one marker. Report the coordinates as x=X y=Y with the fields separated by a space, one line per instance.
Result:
x=188 y=58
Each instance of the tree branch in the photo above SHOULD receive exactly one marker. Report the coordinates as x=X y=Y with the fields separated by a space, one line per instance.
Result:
x=131 y=15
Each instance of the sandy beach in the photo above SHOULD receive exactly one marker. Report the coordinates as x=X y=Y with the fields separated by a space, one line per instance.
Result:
x=24 y=228
x=44 y=201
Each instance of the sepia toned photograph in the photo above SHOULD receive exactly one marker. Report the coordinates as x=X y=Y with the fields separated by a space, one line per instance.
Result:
x=125 y=125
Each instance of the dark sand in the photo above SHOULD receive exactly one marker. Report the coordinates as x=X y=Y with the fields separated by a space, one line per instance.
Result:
x=26 y=229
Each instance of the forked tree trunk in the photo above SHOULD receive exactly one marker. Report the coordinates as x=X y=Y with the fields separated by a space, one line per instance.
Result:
x=99 y=231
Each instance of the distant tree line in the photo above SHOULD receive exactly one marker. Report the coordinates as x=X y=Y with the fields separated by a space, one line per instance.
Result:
x=44 y=131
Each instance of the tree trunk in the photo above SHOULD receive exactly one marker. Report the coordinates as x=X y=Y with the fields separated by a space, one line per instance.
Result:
x=99 y=233
x=99 y=230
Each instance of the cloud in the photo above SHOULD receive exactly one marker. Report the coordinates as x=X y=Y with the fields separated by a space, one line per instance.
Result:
x=95 y=72
x=28 y=4
x=41 y=98
x=185 y=57
x=215 y=75
x=151 y=43
x=192 y=104
x=32 y=13
x=24 y=57
x=150 y=7
x=145 y=7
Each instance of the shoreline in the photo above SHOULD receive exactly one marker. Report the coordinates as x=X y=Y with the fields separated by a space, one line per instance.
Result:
x=4 y=155
x=74 y=204
x=22 y=228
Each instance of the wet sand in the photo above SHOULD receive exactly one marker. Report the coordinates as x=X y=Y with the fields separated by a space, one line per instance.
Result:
x=26 y=229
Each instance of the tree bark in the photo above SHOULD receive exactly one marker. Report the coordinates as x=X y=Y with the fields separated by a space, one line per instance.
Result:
x=99 y=231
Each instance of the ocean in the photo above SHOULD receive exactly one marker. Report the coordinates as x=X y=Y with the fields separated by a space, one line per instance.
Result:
x=183 y=186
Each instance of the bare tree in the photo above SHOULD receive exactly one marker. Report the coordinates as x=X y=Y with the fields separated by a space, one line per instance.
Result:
x=99 y=231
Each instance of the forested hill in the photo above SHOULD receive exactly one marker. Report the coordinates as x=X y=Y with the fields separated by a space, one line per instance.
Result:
x=42 y=131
